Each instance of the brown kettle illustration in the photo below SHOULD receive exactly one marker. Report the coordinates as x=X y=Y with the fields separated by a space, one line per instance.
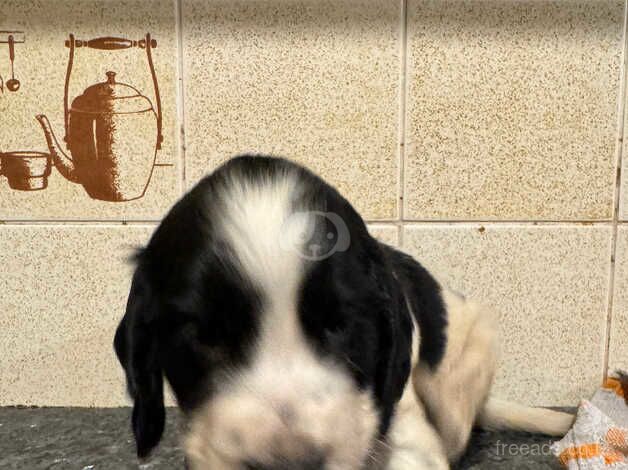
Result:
x=112 y=131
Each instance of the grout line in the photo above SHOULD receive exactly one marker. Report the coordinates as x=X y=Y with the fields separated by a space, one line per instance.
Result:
x=69 y=223
x=181 y=93
x=403 y=97
x=506 y=224
x=389 y=222
x=621 y=112
x=494 y=221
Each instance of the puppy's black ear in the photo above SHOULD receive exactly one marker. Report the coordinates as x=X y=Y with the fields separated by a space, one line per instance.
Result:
x=393 y=367
x=424 y=296
x=136 y=345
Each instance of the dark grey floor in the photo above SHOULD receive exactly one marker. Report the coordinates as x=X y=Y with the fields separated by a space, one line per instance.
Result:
x=100 y=439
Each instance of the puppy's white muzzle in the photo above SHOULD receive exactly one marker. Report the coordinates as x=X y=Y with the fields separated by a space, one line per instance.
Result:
x=282 y=412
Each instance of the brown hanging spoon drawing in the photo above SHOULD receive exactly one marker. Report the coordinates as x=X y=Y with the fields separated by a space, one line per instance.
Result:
x=112 y=131
x=11 y=38
x=13 y=84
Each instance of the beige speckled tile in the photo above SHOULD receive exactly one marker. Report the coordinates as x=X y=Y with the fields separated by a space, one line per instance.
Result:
x=618 y=351
x=388 y=234
x=512 y=109
x=40 y=65
x=312 y=81
x=68 y=287
x=548 y=285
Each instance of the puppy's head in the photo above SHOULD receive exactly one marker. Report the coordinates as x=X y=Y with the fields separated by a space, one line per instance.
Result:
x=285 y=347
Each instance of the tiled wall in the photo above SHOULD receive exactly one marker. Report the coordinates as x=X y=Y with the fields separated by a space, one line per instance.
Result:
x=484 y=137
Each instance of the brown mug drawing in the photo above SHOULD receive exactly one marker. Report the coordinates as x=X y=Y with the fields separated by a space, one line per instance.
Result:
x=112 y=131
x=25 y=170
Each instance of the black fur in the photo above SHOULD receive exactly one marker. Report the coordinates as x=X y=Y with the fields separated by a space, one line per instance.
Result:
x=191 y=314
x=424 y=295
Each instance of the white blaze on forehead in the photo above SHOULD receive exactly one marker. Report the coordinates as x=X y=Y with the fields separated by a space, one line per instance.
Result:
x=253 y=218
x=256 y=218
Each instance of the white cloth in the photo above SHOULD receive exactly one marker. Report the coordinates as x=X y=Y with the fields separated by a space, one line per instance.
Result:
x=599 y=436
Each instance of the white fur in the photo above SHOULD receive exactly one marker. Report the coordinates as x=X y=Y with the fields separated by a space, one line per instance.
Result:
x=413 y=442
x=501 y=414
x=252 y=219
x=457 y=394
x=288 y=402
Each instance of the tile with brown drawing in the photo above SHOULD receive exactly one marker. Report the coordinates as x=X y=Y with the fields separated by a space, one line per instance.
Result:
x=24 y=170
x=92 y=135
x=95 y=123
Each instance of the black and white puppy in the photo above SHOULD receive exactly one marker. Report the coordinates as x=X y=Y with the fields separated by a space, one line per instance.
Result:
x=292 y=339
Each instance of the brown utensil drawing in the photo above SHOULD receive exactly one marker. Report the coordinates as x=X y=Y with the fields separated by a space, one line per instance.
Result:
x=11 y=38
x=26 y=171
x=13 y=84
x=100 y=125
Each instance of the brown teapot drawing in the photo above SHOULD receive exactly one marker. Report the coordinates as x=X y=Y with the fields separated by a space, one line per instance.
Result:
x=112 y=131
